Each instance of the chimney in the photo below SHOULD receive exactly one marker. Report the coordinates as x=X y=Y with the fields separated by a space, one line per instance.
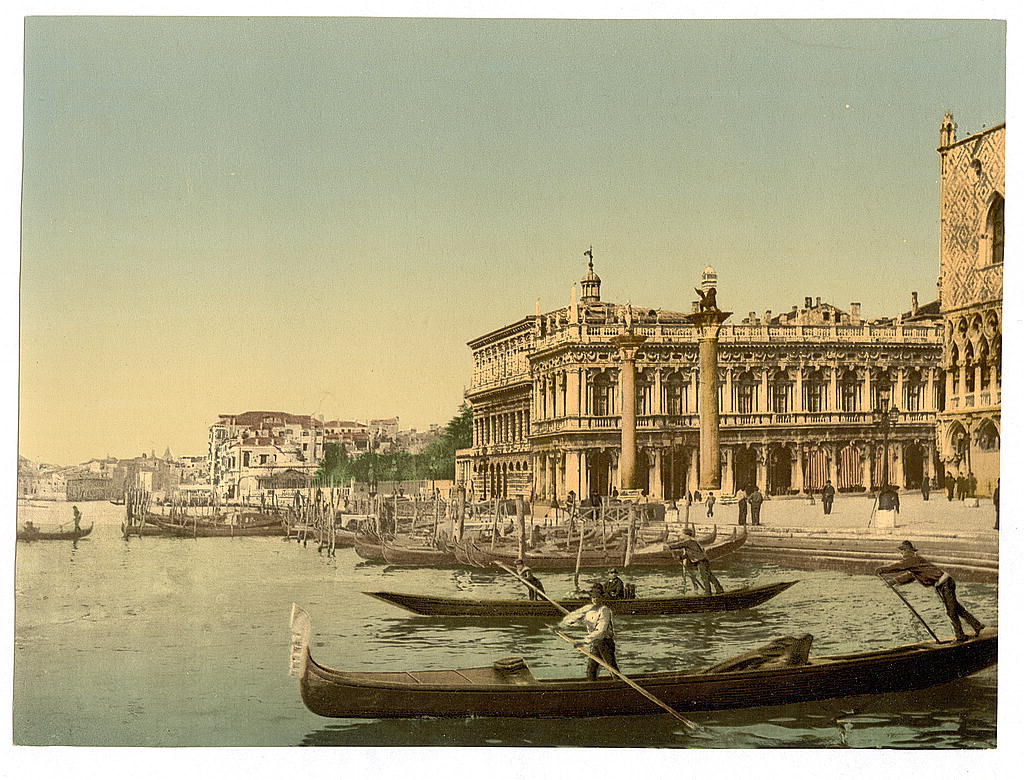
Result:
x=696 y=306
x=817 y=301
x=855 y=313
x=807 y=302
x=913 y=304
x=767 y=316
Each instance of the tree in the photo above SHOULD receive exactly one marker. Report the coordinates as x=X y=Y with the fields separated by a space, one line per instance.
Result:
x=440 y=453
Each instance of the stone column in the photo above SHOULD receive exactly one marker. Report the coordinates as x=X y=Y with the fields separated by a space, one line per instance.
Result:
x=897 y=477
x=949 y=387
x=869 y=452
x=709 y=323
x=572 y=473
x=865 y=402
x=798 y=482
x=798 y=391
x=762 y=469
x=657 y=489
x=573 y=393
x=656 y=400
x=729 y=476
x=832 y=402
x=727 y=401
x=628 y=344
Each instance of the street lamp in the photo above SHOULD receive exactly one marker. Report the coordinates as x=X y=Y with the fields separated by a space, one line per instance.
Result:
x=885 y=415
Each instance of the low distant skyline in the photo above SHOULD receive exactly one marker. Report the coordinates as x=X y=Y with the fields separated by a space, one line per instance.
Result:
x=315 y=215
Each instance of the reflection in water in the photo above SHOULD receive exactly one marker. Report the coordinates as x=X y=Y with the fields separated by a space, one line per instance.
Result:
x=185 y=642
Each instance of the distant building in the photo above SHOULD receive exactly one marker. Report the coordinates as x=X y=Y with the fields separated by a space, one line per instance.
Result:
x=972 y=203
x=89 y=487
x=796 y=395
x=248 y=447
x=353 y=436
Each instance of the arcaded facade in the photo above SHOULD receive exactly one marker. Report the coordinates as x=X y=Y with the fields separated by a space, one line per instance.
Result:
x=972 y=200
x=796 y=396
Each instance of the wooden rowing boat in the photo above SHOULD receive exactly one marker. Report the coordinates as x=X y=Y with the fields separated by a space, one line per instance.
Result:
x=206 y=530
x=368 y=547
x=657 y=555
x=510 y=689
x=398 y=554
x=742 y=598
x=24 y=534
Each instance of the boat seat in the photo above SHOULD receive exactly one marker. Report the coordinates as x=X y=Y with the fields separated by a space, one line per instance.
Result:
x=777 y=654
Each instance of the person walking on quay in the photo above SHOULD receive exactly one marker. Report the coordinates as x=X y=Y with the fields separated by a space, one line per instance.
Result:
x=597 y=618
x=972 y=485
x=755 y=499
x=925 y=487
x=741 y=502
x=995 y=503
x=697 y=556
x=711 y=504
x=961 y=487
x=828 y=495
x=915 y=567
x=949 y=483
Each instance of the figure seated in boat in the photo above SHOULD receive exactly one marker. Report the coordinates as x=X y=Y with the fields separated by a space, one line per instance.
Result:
x=614 y=587
x=536 y=537
x=30 y=527
x=777 y=654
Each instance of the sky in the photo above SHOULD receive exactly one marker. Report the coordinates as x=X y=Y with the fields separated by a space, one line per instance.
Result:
x=315 y=215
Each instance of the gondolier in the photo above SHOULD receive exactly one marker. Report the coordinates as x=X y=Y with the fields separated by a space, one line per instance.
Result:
x=535 y=584
x=696 y=556
x=597 y=618
x=915 y=567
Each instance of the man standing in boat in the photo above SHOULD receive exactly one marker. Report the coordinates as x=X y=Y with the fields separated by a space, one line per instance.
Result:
x=76 y=516
x=535 y=584
x=696 y=556
x=915 y=567
x=597 y=617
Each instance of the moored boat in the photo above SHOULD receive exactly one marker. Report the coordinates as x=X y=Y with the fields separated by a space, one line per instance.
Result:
x=196 y=529
x=398 y=554
x=742 y=598
x=509 y=689
x=33 y=534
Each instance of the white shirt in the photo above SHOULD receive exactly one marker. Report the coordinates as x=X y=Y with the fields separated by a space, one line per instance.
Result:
x=597 y=619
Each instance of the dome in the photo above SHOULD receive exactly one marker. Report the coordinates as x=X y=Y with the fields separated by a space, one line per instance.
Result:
x=709 y=278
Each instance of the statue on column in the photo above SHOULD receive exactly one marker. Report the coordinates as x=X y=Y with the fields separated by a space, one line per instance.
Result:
x=708 y=299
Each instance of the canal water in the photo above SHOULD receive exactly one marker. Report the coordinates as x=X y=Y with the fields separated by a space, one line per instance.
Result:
x=185 y=642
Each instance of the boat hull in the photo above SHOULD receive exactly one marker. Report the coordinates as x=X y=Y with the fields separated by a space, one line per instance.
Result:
x=50 y=536
x=457 y=694
x=681 y=605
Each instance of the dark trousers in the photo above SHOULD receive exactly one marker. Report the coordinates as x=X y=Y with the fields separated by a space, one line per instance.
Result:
x=605 y=650
x=949 y=494
x=743 y=512
x=955 y=610
x=755 y=514
x=827 y=504
x=708 y=579
x=711 y=511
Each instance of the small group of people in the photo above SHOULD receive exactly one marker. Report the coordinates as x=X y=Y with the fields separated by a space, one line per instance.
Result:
x=749 y=499
x=962 y=486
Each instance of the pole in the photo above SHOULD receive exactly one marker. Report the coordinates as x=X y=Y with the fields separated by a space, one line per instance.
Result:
x=615 y=672
x=579 y=559
x=521 y=526
x=909 y=606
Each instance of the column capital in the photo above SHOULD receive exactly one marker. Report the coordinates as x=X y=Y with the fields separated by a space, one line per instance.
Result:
x=628 y=344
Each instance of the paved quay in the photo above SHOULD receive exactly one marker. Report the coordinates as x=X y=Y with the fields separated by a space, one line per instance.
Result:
x=955 y=535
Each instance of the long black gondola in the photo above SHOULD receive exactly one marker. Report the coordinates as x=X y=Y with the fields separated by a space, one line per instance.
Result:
x=670 y=605
x=509 y=689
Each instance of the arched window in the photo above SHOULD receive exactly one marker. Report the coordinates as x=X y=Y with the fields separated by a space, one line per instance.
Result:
x=969 y=368
x=849 y=391
x=814 y=390
x=673 y=390
x=987 y=437
x=602 y=394
x=913 y=391
x=954 y=367
x=781 y=393
x=644 y=393
x=746 y=393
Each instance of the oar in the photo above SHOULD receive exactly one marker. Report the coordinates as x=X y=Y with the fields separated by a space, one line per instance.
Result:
x=688 y=723
x=645 y=693
x=910 y=607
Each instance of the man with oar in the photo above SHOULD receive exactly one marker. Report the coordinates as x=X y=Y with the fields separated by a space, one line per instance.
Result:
x=597 y=617
x=613 y=669
x=914 y=567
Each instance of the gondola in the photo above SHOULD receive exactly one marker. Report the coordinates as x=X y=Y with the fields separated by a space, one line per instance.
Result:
x=35 y=535
x=508 y=688
x=406 y=554
x=658 y=555
x=368 y=547
x=205 y=530
x=673 y=605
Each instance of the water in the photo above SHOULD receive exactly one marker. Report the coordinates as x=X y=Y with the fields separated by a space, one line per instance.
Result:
x=185 y=642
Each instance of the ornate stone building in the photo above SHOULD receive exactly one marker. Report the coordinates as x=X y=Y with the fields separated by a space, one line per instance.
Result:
x=973 y=192
x=796 y=396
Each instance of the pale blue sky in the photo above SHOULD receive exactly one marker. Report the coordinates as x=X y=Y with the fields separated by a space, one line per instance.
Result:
x=315 y=215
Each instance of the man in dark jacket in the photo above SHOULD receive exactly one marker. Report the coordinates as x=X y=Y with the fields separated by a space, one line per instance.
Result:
x=828 y=495
x=536 y=585
x=914 y=567
x=755 y=499
x=926 y=487
x=949 y=485
x=995 y=502
x=614 y=588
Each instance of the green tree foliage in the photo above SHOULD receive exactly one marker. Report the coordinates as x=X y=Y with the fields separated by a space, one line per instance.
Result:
x=436 y=462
